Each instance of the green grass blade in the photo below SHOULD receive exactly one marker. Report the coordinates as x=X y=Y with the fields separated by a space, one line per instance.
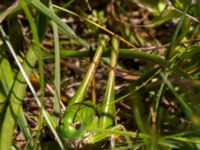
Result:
x=45 y=10
x=129 y=53
x=139 y=117
x=25 y=77
x=174 y=38
x=141 y=82
x=10 y=11
x=184 y=105
x=74 y=53
x=42 y=21
x=22 y=122
x=2 y=104
x=15 y=99
x=100 y=134
x=115 y=130
x=132 y=54
x=40 y=60
x=158 y=97
x=95 y=24
x=36 y=38
x=57 y=110
x=185 y=139
x=6 y=81
x=6 y=74
x=123 y=53
x=161 y=19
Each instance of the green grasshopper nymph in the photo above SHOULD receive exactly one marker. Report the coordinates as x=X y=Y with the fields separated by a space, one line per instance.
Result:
x=77 y=119
x=77 y=113
x=80 y=116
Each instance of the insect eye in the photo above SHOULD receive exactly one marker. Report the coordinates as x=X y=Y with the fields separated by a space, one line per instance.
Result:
x=76 y=125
